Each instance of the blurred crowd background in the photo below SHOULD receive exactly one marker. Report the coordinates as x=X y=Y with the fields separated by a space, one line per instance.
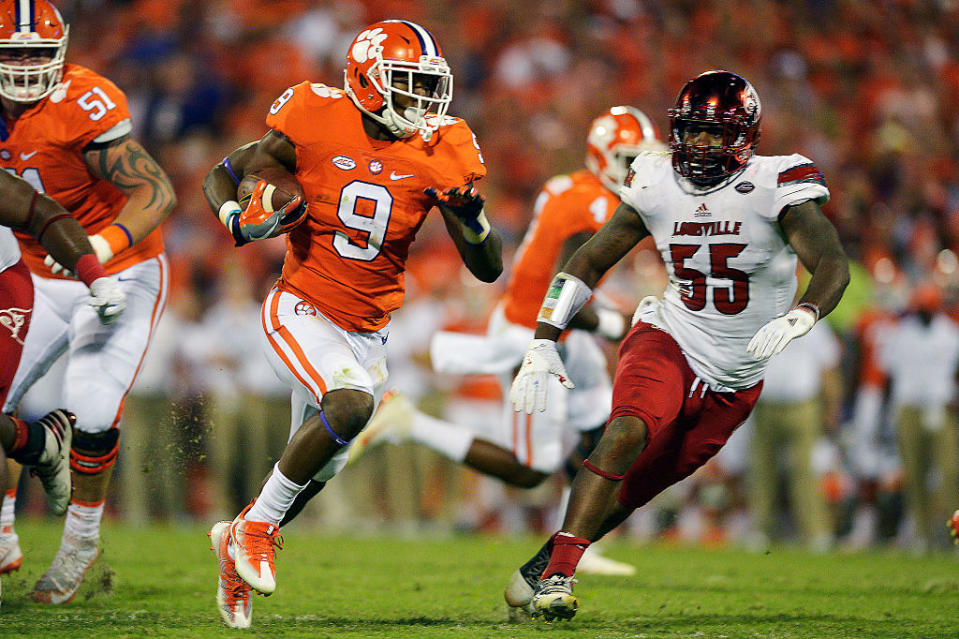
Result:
x=868 y=90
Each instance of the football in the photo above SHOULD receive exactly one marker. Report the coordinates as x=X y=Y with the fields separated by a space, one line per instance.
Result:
x=282 y=187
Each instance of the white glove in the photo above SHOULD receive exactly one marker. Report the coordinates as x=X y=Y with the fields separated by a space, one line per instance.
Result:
x=528 y=392
x=107 y=299
x=100 y=246
x=773 y=337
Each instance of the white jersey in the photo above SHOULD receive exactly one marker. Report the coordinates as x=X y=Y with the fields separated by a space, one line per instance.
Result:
x=730 y=269
x=9 y=249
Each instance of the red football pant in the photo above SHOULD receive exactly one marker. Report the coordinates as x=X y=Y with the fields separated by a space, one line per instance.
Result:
x=16 y=309
x=688 y=423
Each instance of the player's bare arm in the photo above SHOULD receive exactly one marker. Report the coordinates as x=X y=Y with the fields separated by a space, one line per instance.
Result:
x=482 y=252
x=273 y=150
x=128 y=167
x=606 y=322
x=817 y=245
x=624 y=230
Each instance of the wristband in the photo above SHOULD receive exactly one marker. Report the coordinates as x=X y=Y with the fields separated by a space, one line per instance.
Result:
x=227 y=210
x=477 y=230
x=117 y=236
x=812 y=308
x=564 y=297
x=612 y=324
x=88 y=269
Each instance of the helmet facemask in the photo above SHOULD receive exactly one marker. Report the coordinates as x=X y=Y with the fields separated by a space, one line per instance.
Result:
x=710 y=163
x=394 y=79
x=27 y=83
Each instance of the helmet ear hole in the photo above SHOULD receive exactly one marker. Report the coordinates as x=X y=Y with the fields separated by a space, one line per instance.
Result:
x=363 y=82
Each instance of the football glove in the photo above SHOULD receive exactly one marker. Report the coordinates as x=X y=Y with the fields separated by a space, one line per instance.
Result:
x=528 y=392
x=100 y=246
x=467 y=205
x=773 y=337
x=107 y=299
x=255 y=222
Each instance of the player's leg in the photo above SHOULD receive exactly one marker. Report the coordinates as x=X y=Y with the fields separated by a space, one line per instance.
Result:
x=102 y=365
x=334 y=375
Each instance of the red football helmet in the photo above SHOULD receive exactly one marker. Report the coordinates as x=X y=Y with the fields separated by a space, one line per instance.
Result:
x=615 y=139
x=388 y=59
x=33 y=45
x=720 y=100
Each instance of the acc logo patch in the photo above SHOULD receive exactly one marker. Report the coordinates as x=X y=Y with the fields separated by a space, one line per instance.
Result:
x=376 y=167
x=344 y=163
x=304 y=308
x=745 y=187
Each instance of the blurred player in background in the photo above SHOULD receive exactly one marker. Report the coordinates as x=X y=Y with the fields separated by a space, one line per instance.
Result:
x=66 y=131
x=44 y=444
x=384 y=155
x=729 y=225
x=524 y=451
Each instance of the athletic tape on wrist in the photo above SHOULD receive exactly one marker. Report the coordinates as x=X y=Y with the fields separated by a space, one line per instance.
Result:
x=564 y=297
x=809 y=306
x=227 y=210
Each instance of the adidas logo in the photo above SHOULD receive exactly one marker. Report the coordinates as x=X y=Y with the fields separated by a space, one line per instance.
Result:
x=702 y=211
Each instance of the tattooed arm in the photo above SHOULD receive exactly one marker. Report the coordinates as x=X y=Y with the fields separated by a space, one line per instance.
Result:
x=127 y=165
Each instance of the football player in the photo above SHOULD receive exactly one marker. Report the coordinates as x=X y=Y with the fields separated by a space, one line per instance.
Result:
x=525 y=451
x=66 y=131
x=729 y=225
x=384 y=155
x=44 y=444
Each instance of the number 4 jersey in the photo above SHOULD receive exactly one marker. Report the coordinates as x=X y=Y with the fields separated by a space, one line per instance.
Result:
x=366 y=202
x=45 y=146
x=730 y=268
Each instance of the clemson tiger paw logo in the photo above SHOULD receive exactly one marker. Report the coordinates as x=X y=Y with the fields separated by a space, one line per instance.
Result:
x=304 y=308
x=368 y=44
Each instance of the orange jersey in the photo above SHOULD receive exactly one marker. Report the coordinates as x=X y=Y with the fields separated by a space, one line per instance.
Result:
x=365 y=202
x=868 y=331
x=568 y=205
x=45 y=147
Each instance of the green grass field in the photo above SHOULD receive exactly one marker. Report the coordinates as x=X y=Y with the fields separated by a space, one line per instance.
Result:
x=159 y=582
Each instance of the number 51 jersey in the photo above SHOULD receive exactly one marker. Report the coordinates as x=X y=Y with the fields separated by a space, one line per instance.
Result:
x=730 y=268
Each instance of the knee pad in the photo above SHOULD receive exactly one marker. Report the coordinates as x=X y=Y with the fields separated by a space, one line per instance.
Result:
x=94 y=453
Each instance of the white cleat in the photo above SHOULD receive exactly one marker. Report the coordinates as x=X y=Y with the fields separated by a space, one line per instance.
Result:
x=254 y=549
x=518 y=595
x=392 y=422
x=10 y=555
x=594 y=562
x=554 y=599
x=59 y=584
x=233 y=596
x=53 y=467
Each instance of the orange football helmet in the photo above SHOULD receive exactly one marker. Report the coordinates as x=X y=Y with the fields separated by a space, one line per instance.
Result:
x=615 y=139
x=389 y=59
x=33 y=46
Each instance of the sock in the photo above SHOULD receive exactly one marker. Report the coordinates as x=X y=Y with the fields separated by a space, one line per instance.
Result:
x=532 y=570
x=567 y=551
x=83 y=520
x=7 y=511
x=448 y=439
x=275 y=499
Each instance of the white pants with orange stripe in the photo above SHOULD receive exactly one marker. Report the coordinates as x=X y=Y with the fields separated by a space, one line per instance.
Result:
x=313 y=356
x=102 y=361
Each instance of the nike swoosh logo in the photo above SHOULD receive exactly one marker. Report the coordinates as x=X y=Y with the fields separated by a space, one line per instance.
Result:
x=27 y=156
x=394 y=176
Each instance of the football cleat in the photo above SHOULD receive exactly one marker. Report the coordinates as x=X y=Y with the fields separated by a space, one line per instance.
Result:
x=10 y=555
x=553 y=599
x=594 y=562
x=233 y=596
x=392 y=422
x=255 y=544
x=53 y=467
x=59 y=584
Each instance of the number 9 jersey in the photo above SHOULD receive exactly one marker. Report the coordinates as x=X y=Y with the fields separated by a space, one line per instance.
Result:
x=730 y=269
x=365 y=202
x=45 y=146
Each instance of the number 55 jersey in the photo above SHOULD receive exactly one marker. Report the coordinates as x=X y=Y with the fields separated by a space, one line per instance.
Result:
x=45 y=146
x=730 y=268
x=365 y=202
